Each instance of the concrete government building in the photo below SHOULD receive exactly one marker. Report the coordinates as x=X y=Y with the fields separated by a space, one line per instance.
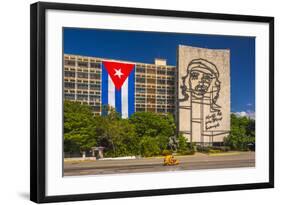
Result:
x=154 y=83
x=196 y=91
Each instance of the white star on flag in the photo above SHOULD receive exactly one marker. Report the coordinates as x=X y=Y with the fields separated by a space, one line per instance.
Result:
x=118 y=73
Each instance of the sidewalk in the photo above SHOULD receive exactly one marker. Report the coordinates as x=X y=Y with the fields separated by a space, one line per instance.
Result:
x=154 y=164
x=78 y=162
x=81 y=159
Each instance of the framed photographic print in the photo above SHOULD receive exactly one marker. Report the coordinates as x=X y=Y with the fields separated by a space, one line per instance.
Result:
x=123 y=99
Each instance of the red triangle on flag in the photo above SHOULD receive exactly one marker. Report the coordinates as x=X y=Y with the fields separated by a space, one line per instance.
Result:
x=118 y=72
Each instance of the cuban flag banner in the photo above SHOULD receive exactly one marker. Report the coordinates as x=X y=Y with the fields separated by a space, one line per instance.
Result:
x=118 y=87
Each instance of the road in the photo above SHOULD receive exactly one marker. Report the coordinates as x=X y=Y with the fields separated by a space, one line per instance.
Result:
x=194 y=162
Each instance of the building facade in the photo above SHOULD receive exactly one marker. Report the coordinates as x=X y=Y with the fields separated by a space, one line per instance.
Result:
x=154 y=83
x=203 y=94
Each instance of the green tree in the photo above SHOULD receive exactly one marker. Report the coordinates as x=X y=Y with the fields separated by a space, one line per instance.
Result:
x=117 y=135
x=160 y=127
x=149 y=146
x=144 y=133
x=183 y=145
x=79 y=130
x=242 y=133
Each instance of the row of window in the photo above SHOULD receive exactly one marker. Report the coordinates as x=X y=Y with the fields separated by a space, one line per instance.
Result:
x=82 y=75
x=140 y=80
x=83 y=86
x=140 y=90
x=97 y=107
x=153 y=81
x=92 y=75
x=151 y=91
x=153 y=101
x=95 y=103
x=140 y=100
x=81 y=97
x=69 y=74
x=69 y=96
x=142 y=69
x=161 y=91
x=86 y=92
x=69 y=85
x=159 y=72
x=159 y=99
x=170 y=92
x=69 y=62
x=82 y=64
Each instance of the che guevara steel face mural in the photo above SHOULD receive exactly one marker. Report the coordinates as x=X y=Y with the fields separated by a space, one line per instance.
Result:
x=203 y=110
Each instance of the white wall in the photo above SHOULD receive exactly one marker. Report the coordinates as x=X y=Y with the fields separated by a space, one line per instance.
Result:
x=14 y=101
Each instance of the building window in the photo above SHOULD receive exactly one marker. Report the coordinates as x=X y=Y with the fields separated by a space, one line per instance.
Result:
x=82 y=97
x=150 y=109
x=82 y=75
x=95 y=86
x=170 y=72
x=140 y=80
x=140 y=109
x=69 y=62
x=151 y=71
x=170 y=91
x=152 y=81
x=161 y=82
x=170 y=110
x=69 y=74
x=161 y=72
x=82 y=64
x=95 y=75
x=151 y=100
x=161 y=101
x=95 y=65
x=140 y=100
x=151 y=90
x=170 y=82
x=69 y=85
x=161 y=91
x=96 y=108
x=170 y=101
x=94 y=97
x=68 y=96
x=140 y=90
x=82 y=86
x=160 y=110
x=140 y=70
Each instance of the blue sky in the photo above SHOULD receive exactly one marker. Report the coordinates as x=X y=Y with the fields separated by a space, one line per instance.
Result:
x=145 y=46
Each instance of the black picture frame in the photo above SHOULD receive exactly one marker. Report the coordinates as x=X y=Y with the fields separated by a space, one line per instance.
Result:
x=38 y=101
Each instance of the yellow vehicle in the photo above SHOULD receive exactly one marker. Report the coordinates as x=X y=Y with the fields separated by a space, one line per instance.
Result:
x=170 y=160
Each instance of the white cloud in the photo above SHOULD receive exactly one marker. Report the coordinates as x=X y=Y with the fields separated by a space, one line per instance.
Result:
x=250 y=114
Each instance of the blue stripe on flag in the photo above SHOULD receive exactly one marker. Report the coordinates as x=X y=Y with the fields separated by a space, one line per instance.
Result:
x=118 y=105
x=104 y=91
x=131 y=92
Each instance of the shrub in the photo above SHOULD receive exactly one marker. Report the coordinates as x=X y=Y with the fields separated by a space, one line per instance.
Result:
x=184 y=147
x=166 y=152
x=188 y=152
x=203 y=149
x=149 y=146
x=211 y=151
x=221 y=148
x=182 y=143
